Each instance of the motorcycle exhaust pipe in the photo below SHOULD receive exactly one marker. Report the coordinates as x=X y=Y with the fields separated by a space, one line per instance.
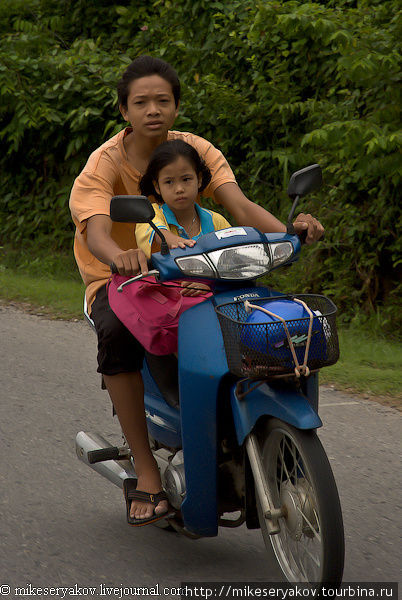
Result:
x=112 y=463
x=88 y=445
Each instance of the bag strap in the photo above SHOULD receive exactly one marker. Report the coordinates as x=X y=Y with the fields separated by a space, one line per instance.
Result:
x=299 y=369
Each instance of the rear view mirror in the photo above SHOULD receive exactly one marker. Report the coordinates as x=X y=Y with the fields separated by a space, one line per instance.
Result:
x=136 y=209
x=301 y=183
x=131 y=209
x=305 y=181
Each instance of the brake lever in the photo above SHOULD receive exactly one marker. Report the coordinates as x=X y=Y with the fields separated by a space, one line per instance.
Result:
x=153 y=272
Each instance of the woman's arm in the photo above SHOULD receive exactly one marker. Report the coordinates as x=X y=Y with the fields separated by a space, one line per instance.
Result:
x=251 y=214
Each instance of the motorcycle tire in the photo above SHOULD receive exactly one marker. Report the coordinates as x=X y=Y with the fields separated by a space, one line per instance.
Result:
x=310 y=546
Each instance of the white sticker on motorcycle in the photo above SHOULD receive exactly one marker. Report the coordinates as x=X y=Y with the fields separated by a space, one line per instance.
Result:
x=230 y=232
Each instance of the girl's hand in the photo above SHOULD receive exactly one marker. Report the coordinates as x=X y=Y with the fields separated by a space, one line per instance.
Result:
x=175 y=241
x=194 y=288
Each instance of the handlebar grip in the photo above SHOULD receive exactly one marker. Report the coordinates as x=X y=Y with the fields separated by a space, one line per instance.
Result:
x=114 y=269
x=303 y=236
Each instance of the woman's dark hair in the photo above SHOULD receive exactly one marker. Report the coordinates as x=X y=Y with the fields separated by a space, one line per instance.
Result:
x=164 y=155
x=143 y=66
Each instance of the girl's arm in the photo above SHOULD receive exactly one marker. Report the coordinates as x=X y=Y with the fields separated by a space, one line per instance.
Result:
x=150 y=242
x=174 y=241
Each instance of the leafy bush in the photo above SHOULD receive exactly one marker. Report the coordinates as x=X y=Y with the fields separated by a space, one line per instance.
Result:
x=275 y=84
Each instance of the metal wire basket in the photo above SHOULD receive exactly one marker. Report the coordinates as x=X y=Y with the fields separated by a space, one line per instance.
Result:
x=266 y=349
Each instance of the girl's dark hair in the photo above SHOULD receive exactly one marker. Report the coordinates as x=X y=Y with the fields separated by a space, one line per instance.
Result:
x=164 y=155
x=143 y=66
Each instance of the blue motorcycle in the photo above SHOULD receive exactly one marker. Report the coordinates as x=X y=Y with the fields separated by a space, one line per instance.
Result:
x=232 y=419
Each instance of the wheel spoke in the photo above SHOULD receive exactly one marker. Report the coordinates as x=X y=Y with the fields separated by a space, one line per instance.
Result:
x=314 y=558
x=296 y=463
x=284 y=465
x=302 y=551
x=288 y=551
x=282 y=458
x=300 y=466
x=316 y=534
x=296 y=552
x=300 y=565
x=291 y=448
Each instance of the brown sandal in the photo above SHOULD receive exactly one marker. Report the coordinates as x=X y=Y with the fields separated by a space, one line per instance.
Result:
x=131 y=493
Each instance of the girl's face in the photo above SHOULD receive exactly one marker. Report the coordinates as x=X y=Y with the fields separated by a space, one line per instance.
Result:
x=178 y=184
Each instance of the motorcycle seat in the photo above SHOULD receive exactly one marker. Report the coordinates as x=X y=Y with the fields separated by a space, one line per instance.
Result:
x=164 y=370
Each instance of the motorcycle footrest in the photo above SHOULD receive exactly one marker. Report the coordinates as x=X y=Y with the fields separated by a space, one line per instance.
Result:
x=110 y=453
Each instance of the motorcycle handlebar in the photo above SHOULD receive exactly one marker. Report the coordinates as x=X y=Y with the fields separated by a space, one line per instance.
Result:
x=114 y=269
x=303 y=235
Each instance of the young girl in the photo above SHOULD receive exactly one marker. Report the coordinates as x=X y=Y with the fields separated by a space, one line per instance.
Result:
x=175 y=176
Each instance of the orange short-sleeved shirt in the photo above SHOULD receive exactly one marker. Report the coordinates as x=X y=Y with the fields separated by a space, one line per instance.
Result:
x=108 y=173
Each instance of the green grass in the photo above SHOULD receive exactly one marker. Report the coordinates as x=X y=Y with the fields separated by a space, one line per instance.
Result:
x=53 y=297
x=50 y=284
x=368 y=364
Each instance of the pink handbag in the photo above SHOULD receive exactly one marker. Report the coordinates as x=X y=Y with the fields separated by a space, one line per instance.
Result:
x=151 y=310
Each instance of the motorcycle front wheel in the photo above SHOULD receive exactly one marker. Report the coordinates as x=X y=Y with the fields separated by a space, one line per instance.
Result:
x=310 y=546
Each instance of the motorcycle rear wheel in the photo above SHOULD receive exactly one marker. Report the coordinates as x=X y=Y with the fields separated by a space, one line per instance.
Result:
x=310 y=546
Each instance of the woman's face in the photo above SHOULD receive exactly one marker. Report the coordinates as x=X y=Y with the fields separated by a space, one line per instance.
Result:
x=151 y=108
x=178 y=184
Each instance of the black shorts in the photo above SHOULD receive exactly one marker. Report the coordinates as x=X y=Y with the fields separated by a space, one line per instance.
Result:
x=118 y=350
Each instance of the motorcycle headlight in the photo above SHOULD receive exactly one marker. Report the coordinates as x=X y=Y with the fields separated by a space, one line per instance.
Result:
x=280 y=253
x=241 y=262
x=196 y=266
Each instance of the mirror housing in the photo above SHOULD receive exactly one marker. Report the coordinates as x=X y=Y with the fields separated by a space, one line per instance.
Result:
x=305 y=181
x=136 y=209
x=131 y=209
x=301 y=183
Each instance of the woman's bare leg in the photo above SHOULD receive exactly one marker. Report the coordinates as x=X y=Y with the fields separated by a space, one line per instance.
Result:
x=126 y=391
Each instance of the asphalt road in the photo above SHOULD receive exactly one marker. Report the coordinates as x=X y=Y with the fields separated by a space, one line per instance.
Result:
x=64 y=525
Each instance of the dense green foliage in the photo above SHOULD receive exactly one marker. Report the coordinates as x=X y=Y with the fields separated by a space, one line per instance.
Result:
x=275 y=84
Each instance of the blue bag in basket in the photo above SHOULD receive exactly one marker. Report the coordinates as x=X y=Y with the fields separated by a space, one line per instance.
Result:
x=265 y=334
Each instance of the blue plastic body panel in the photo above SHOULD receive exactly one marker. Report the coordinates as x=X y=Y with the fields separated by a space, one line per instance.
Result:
x=163 y=421
x=202 y=365
x=287 y=405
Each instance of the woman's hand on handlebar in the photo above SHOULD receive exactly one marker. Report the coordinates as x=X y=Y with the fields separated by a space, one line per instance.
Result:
x=308 y=228
x=130 y=263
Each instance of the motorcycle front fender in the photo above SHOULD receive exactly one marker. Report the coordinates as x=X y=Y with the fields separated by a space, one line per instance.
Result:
x=283 y=403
